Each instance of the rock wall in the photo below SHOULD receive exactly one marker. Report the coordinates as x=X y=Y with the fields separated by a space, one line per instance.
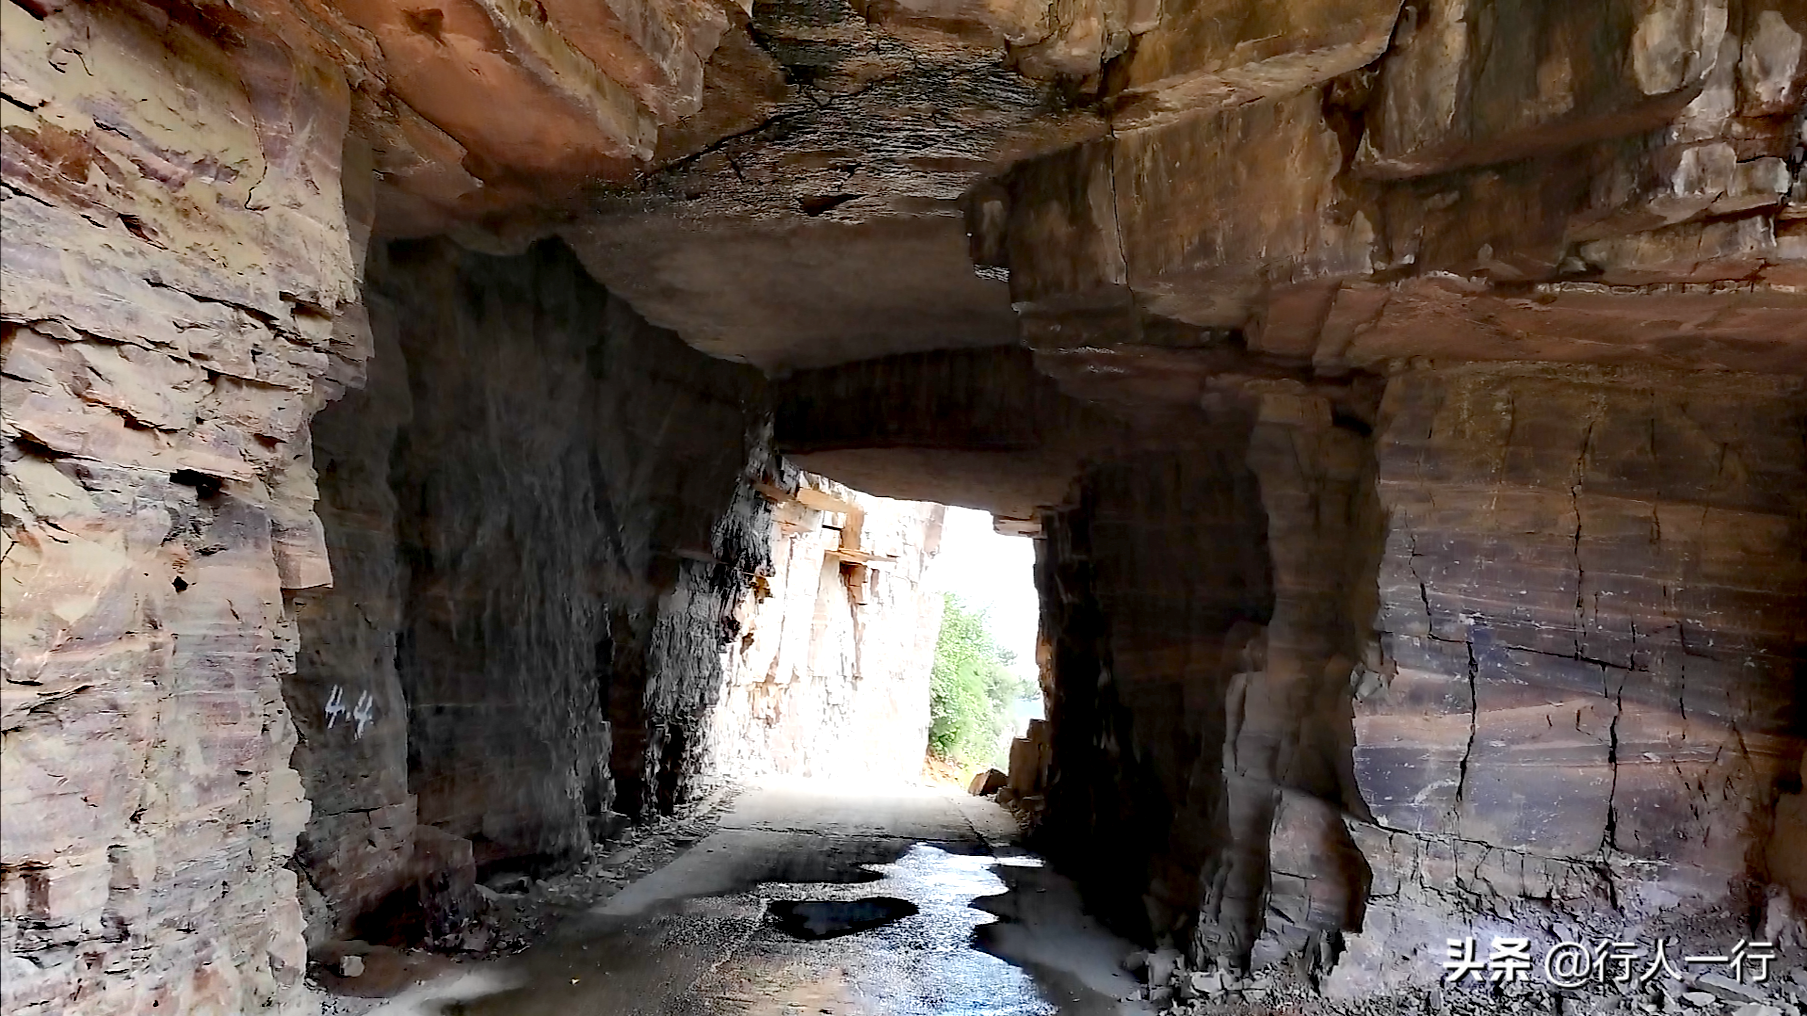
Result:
x=505 y=628
x=543 y=515
x=179 y=296
x=1590 y=635
x=359 y=844
x=1639 y=211
x=831 y=675
x=1518 y=650
x=1152 y=585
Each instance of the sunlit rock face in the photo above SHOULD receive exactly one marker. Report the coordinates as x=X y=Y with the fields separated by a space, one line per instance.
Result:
x=1407 y=396
x=830 y=677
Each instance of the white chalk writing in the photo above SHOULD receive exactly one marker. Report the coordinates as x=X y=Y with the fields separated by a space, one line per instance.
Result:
x=360 y=715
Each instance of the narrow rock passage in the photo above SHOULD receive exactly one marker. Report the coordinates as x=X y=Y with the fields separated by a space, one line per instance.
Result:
x=706 y=935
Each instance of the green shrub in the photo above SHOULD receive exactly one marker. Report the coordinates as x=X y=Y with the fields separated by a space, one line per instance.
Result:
x=971 y=688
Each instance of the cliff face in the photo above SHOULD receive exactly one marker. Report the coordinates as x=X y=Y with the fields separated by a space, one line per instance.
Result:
x=1589 y=634
x=180 y=294
x=1520 y=655
x=544 y=513
x=831 y=675
x=571 y=576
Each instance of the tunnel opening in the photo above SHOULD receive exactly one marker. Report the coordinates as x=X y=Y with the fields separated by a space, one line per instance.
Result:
x=987 y=679
x=578 y=587
x=598 y=573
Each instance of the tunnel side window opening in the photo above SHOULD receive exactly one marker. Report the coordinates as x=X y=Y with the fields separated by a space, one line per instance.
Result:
x=984 y=686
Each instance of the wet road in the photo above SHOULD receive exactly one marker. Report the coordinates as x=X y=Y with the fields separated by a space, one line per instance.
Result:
x=750 y=922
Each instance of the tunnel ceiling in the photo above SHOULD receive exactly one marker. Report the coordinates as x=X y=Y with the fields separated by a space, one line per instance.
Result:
x=809 y=182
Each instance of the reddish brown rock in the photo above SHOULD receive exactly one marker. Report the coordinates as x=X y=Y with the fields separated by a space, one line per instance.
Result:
x=987 y=783
x=1582 y=618
x=1200 y=56
x=176 y=253
x=1468 y=82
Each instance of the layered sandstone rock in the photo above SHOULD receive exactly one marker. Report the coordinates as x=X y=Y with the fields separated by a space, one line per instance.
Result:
x=1562 y=706
x=1416 y=207
x=179 y=297
x=831 y=678
x=1587 y=627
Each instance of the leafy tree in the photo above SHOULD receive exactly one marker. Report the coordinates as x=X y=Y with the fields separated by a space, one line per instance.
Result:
x=971 y=688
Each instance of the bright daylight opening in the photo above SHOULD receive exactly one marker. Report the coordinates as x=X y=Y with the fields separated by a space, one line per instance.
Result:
x=887 y=640
x=985 y=686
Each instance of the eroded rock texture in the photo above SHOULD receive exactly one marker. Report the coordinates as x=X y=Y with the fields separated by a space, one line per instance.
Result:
x=1589 y=639
x=544 y=513
x=1212 y=726
x=1525 y=655
x=179 y=296
x=572 y=576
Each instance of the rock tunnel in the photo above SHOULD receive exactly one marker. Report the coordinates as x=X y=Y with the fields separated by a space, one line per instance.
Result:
x=411 y=414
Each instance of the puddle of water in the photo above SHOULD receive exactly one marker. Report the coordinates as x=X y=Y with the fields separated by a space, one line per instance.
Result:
x=909 y=952
x=812 y=919
x=434 y=999
x=920 y=964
